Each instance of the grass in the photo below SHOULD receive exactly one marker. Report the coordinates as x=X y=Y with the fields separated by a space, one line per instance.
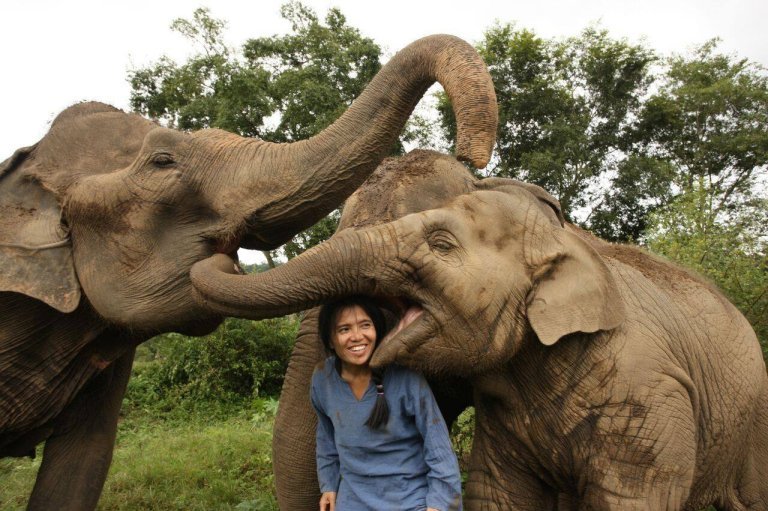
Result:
x=186 y=461
x=166 y=465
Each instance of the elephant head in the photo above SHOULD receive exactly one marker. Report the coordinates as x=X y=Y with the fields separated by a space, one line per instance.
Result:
x=473 y=279
x=110 y=206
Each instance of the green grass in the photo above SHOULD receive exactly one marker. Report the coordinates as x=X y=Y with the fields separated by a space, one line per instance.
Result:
x=168 y=465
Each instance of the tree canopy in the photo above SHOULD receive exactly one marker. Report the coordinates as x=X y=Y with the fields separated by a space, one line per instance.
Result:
x=278 y=88
x=564 y=106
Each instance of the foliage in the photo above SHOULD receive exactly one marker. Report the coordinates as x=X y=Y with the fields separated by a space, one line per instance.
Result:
x=199 y=464
x=315 y=72
x=241 y=361
x=640 y=185
x=462 y=433
x=730 y=250
x=213 y=90
x=710 y=119
x=564 y=106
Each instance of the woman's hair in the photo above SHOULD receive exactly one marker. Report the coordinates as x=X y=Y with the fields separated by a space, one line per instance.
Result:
x=326 y=325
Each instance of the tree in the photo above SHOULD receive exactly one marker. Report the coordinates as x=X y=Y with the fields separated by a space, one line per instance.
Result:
x=279 y=88
x=638 y=187
x=316 y=72
x=732 y=251
x=212 y=90
x=564 y=106
x=709 y=120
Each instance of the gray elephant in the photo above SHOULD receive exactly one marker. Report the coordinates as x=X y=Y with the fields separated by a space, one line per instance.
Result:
x=603 y=377
x=102 y=219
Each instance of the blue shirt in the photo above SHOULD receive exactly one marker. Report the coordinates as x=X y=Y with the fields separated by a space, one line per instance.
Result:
x=406 y=465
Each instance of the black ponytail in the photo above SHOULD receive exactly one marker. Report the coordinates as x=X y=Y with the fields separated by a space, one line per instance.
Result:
x=329 y=313
x=380 y=413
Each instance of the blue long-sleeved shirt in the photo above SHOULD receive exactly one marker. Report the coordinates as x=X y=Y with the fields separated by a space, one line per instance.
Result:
x=406 y=465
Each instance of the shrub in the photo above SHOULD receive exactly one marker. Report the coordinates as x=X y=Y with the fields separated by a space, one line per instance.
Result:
x=462 y=433
x=241 y=361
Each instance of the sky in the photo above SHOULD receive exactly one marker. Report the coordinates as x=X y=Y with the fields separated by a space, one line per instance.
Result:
x=56 y=53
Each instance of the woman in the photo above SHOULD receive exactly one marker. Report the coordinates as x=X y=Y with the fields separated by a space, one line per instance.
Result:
x=382 y=443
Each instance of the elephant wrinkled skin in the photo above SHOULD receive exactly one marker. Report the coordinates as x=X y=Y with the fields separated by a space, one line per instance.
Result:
x=603 y=377
x=101 y=221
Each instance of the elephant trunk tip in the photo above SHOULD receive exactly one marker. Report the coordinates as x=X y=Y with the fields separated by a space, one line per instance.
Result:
x=477 y=158
x=477 y=120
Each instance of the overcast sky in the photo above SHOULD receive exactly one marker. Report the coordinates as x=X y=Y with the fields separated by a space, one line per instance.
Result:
x=56 y=53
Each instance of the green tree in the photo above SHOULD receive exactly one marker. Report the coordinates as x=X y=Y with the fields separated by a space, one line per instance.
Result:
x=565 y=107
x=212 y=90
x=732 y=251
x=279 y=88
x=638 y=187
x=709 y=119
x=316 y=71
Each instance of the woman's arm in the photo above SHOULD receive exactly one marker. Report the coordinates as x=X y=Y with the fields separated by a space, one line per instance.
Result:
x=326 y=454
x=443 y=478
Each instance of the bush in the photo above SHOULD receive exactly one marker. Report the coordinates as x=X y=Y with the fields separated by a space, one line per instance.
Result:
x=462 y=433
x=241 y=361
x=731 y=251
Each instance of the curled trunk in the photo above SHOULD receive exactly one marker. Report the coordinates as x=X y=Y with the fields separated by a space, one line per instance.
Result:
x=305 y=180
x=333 y=269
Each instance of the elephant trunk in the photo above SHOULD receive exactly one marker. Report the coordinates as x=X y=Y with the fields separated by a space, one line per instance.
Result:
x=339 y=267
x=308 y=179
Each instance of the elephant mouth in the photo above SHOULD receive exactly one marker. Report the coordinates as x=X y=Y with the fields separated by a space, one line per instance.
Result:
x=229 y=247
x=409 y=312
x=412 y=330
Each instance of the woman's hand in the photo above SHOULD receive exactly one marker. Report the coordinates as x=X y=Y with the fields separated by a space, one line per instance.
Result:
x=432 y=509
x=328 y=501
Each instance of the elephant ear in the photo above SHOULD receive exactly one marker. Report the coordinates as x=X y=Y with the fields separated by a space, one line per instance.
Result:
x=35 y=249
x=573 y=289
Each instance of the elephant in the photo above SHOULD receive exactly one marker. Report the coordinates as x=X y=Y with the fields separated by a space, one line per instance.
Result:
x=602 y=376
x=102 y=219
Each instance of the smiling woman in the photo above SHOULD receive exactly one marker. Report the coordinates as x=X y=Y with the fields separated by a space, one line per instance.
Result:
x=398 y=460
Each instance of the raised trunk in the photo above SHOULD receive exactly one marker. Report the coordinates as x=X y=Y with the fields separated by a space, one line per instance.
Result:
x=305 y=180
x=332 y=269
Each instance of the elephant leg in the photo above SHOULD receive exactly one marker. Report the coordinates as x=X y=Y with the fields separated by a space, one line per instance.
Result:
x=751 y=492
x=293 y=440
x=76 y=457
x=497 y=480
x=643 y=456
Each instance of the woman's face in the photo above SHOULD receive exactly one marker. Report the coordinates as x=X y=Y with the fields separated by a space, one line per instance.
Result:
x=354 y=336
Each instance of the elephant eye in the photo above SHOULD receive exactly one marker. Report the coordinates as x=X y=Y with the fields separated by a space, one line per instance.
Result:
x=441 y=241
x=163 y=159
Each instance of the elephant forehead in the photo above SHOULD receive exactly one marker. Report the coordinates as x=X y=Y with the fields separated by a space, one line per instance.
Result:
x=164 y=137
x=490 y=209
x=492 y=220
x=419 y=181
